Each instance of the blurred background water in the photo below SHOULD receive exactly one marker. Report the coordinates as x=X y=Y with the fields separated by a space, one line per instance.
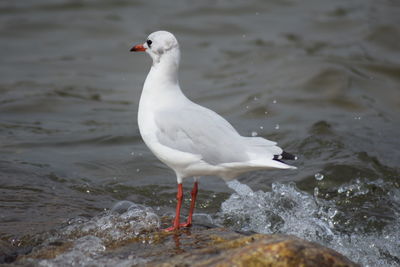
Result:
x=320 y=77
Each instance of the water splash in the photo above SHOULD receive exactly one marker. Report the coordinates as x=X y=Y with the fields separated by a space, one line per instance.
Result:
x=286 y=209
x=125 y=220
x=90 y=237
x=319 y=176
x=88 y=251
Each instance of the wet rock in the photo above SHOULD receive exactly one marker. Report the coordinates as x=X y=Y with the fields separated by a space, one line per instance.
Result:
x=259 y=250
x=199 y=246
x=7 y=254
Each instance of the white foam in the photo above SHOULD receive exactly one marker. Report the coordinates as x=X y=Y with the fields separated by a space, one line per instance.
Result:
x=88 y=251
x=126 y=220
x=288 y=210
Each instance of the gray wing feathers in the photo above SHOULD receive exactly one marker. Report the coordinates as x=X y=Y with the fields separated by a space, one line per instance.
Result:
x=203 y=132
x=264 y=145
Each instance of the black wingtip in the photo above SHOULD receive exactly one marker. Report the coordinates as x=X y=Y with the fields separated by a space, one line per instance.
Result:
x=288 y=156
x=284 y=156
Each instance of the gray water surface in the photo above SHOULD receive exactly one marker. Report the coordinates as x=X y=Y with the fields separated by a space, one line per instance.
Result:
x=322 y=78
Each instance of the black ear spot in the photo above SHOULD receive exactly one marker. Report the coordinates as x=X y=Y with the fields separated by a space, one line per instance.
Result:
x=149 y=42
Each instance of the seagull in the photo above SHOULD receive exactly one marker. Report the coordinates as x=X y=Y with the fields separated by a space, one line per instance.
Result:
x=190 y=139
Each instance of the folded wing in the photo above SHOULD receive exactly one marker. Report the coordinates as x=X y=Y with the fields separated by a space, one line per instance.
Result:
x=203 y=132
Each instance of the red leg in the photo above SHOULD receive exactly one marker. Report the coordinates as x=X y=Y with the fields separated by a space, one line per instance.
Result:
x=192 y=205
x=179 y=197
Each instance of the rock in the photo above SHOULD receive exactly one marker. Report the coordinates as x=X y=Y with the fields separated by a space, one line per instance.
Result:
x=7 y=254
x=259 y=250
x=192 y=247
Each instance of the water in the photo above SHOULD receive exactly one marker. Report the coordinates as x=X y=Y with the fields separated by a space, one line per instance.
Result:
x=331 y=217
x=91 y=237
x=326 y=73
x=318 y=176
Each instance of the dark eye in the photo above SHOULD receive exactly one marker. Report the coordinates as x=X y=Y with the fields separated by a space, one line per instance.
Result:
x=149 y=42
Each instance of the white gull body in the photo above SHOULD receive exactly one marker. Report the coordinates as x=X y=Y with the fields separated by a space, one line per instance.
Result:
x=191 y=139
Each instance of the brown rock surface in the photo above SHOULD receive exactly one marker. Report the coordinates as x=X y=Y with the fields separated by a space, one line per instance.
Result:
x=258 y=250
x=204 y=247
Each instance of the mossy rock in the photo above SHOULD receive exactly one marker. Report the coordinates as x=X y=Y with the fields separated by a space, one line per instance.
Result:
x=259 y=250
x=204 y=247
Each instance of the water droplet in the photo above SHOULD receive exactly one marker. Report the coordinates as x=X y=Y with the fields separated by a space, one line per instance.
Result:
x=87 y=191
x=255 y=98
x=319 y=176
x=247 y=107
x=266 y=112
x=254 y=133
x=277 y=127
x=261 y=127
x=332 y=212
x=316 y=192
x=274 y=101
x=138 y=170
x=132 y=153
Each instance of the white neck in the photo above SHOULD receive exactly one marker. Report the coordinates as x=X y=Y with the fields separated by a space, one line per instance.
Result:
x=164 y=72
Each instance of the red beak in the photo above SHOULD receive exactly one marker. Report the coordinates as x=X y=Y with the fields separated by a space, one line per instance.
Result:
x=138 y=48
